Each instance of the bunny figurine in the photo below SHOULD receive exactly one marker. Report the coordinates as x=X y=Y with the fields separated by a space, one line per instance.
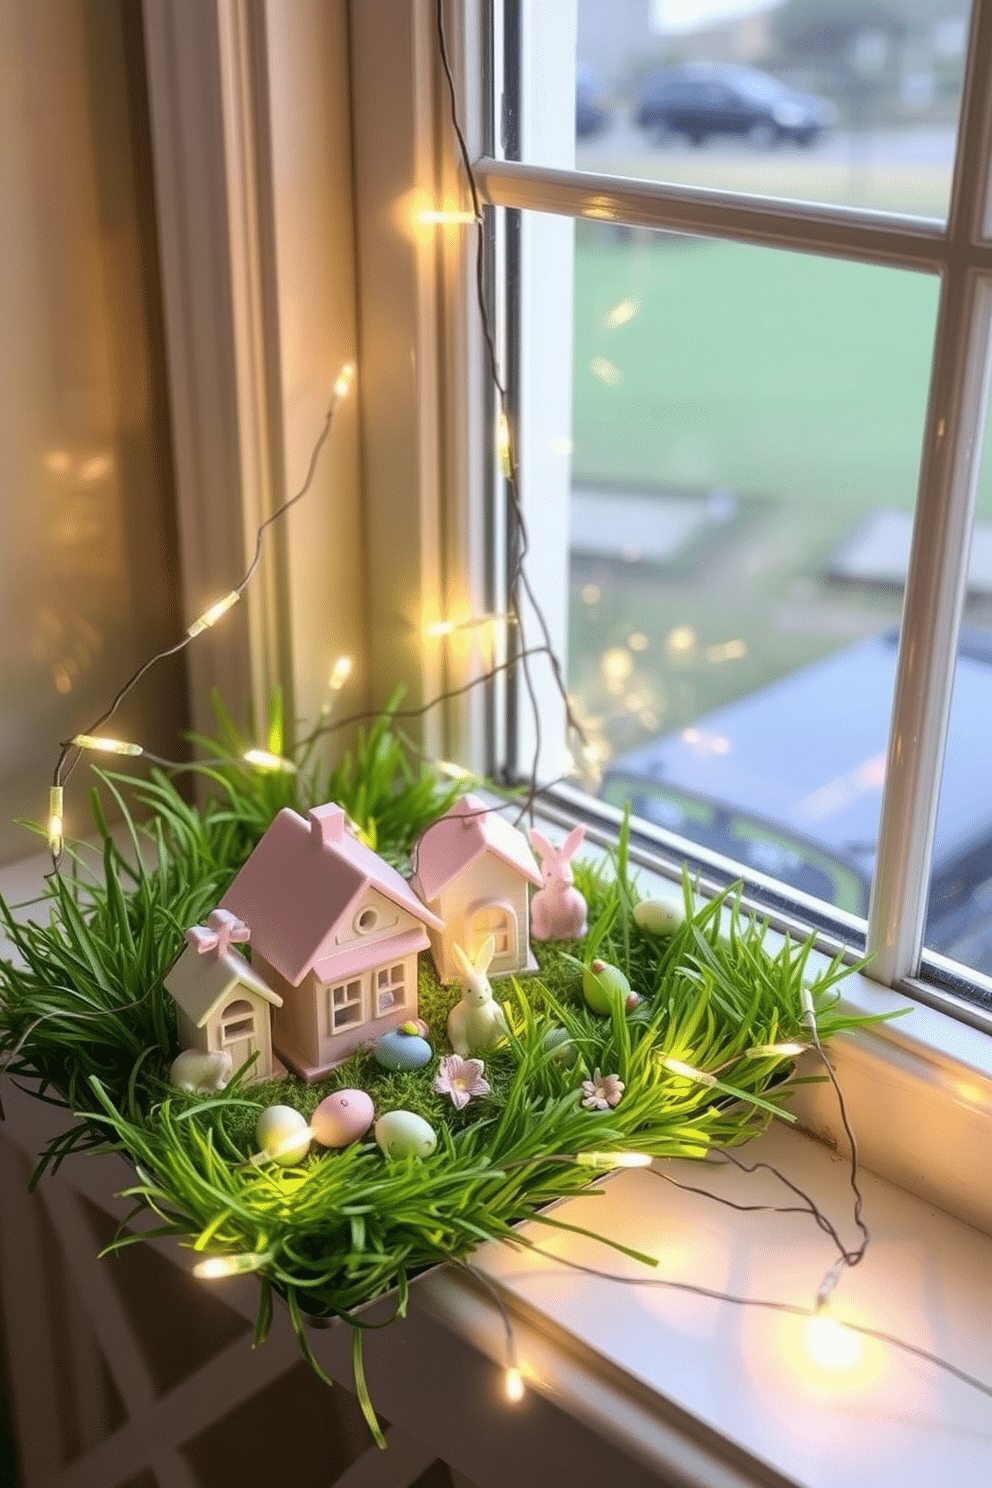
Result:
x=558 y=910
x=476 y=1024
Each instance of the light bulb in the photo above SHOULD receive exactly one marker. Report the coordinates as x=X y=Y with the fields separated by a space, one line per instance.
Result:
x=106 y=746
x=614 y=1159
x=830 y=1345
x=513 y=1384
x=775 y=1051
x=431 y=216
x=266 y=761
x=677 y=1067
x=216 y=1267
x=211 y=616
x=56 y=839
x=343 y=382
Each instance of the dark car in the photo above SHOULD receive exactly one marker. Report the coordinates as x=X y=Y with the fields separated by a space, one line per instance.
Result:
x=703 y=99
x=789 y=781
x=591 y=114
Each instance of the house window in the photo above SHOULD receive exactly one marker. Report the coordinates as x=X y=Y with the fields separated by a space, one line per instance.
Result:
x=237 y=1021
x=760 y=421
x=497 y=920
x=390 y=990
x=367 y=920
x=344 y=1006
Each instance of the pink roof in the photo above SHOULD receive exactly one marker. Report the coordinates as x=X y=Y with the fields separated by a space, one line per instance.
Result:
x=460 y=836
x=300 y=882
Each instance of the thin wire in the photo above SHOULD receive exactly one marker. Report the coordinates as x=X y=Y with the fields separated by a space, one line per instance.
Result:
x=518 y=578
x=70 y=753
x=793 y=1309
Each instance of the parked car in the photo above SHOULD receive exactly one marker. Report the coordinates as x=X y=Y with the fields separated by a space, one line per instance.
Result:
x=789 y=782
x=592 y=116
x=703 y=99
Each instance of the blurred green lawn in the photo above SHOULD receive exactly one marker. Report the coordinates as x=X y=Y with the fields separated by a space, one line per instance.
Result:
x=796 y=383
x=765 y=372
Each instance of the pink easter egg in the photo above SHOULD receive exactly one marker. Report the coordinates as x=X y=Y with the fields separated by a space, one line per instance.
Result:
x=342 y=1118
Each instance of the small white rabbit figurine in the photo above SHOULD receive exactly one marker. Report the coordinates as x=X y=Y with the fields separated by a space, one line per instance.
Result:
x=558 y=910
x=476 y=1024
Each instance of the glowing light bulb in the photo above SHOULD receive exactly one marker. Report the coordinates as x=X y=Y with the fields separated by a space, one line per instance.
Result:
x=614 y=1159
x=431 y=216
x=216 y=1267
x=677 y=1067
x=340 y=672
x=211 y=616
x=830 y=1345
x=266 y=761
x=513 y=1384
x=343 y=382
x=106 y=746
x=503 y=445
x=453 y=771
x=775 y=1051
x=56 y=801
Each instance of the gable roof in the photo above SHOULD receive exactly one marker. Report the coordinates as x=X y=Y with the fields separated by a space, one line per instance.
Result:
x=462 y=835
x=200 y=981
x=300 y=882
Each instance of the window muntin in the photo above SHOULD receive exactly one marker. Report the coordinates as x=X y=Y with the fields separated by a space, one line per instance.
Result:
x=959 y=367
x=769 y=101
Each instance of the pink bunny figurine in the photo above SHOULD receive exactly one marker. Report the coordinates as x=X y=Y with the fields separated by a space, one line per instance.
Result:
x=558 y=910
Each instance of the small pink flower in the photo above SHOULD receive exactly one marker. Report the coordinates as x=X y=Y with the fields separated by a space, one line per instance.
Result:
x=461 y=1079
x=602 y=1091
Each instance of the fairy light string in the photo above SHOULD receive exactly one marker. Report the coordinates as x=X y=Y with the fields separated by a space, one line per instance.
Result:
x=519 y=585
x=89 y=738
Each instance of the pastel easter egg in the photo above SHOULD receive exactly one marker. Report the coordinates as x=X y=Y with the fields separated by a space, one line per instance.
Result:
x=402 y=1132
x=283 y=1135
x=563 y=1051
x=660 y=916
x=603 y=985
x=401 y=1050
x=342 y=1118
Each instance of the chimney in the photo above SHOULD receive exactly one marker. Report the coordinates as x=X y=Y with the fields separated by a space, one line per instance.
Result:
x=326 y=824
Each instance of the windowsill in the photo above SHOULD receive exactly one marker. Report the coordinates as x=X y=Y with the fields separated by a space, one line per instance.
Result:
x=724 y=1393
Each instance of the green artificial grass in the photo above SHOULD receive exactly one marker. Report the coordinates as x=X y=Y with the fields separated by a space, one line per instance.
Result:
x=85 y=1018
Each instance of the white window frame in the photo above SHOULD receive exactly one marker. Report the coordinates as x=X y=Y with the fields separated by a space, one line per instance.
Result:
x=292 y=144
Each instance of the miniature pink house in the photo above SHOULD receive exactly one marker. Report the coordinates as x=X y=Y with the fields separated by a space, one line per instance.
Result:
x=222 y=1004
x=473 y=869
x=336 y=931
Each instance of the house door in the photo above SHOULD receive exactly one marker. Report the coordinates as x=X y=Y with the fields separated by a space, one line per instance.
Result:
x=237 y=1031
x=500 y=921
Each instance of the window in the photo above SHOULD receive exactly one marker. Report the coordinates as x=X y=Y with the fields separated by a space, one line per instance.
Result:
x=771 y=464
x=390 y=989
x=499 y=921
x=344 y=1006
x=237 y=1022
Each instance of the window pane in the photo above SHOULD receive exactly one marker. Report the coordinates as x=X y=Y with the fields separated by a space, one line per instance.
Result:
x=88 y=572
x=959 y=916
x=746 y=438
x=853 y=104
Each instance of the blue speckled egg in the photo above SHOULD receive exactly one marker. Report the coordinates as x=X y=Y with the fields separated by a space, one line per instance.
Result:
x=399 y=1050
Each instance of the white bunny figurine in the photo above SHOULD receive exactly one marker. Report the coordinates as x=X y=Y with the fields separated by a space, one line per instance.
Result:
x=558 y=910
x=476 y=1024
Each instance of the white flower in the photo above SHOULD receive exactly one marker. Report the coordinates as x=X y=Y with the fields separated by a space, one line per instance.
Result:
x=602 y=1091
